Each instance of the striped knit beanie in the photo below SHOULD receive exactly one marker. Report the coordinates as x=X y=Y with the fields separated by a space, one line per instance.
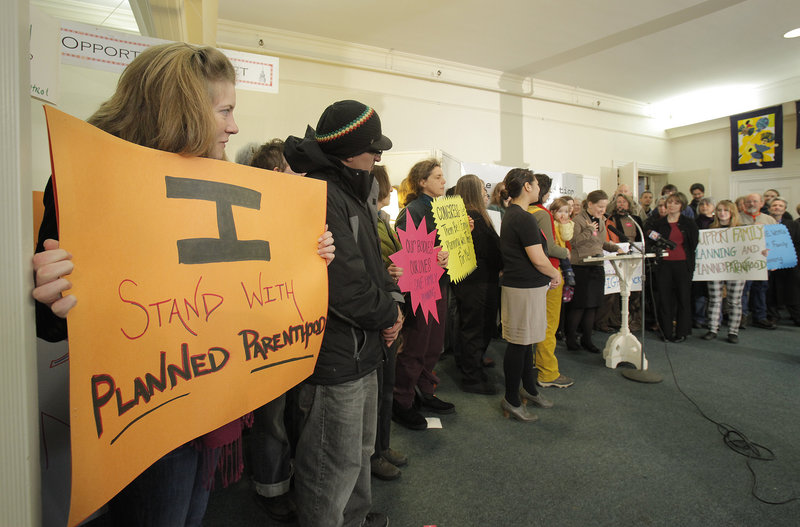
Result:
x=350 y=128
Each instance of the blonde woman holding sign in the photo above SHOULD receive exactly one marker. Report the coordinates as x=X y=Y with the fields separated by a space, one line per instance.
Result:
x=727 y=216
x=176 y=98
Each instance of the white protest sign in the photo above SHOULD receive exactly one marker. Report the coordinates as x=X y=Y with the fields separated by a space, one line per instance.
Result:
x=497 y=219
x=98 y=48
x=44 y=56
x=612 y=280
x=104 y=49
x=736 y=253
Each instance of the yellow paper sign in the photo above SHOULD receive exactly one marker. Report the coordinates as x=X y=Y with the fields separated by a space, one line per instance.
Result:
x=200 y=297
x=452 y=223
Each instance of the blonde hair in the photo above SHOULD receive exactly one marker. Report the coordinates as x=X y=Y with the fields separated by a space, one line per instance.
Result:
x=496 y=198
x=164 y=99
x=730 y=207
x=558 y=203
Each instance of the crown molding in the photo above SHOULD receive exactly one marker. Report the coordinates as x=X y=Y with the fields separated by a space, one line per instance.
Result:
x=299 y=46
x=87 y=13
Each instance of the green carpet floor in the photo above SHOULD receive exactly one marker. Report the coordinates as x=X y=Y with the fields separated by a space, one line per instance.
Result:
x=611 y=452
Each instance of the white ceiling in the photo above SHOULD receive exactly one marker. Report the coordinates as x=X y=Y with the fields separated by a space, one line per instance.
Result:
x=644 y=50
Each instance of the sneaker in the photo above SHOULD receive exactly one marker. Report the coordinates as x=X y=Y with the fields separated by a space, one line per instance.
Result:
x=376 y=519
x=384 y=470
x=709 y=336
x=436 y=405
x=408 y=417
x=280 y=508
x=394 y=457
x=562 y=381
x=733 y=339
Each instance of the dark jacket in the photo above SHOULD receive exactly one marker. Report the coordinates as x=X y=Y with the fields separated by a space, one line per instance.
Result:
x=390 y=244
x=362 y=297
x=421 y=207
x=616 y=220
x=585 y=243
x=703 y=222
x=690 y=232
x=487 y=253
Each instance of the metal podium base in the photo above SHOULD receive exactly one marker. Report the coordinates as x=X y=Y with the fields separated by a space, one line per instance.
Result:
x=642 y=376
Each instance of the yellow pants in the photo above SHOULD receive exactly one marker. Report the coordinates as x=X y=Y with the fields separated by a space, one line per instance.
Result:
x=546 y=361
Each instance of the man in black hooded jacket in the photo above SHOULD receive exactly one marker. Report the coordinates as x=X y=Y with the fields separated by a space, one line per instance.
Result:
x=339 y=400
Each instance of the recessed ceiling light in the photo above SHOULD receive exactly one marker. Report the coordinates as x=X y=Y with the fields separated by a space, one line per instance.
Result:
x=792 y=34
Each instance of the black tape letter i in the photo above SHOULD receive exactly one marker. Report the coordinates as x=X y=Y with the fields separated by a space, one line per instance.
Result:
x=226 y=248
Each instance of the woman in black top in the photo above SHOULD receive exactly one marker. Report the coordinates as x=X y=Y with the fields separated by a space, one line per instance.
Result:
x=477 y=295
x=674 y=273
x=527 y=275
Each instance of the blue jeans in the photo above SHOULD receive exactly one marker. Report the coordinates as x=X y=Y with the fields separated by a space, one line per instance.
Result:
x=332 y=464
x=746 y=298
x=758 y=299
x=168 y=494
x=270 y=450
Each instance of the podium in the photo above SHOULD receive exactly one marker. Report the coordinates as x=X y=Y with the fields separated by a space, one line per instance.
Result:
x=623 y=346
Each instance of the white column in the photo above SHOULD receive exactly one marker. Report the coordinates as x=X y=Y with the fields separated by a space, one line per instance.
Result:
x=19 y=438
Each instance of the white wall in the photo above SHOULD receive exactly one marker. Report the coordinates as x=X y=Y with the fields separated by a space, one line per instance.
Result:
x=703 y=151
x=418 y=115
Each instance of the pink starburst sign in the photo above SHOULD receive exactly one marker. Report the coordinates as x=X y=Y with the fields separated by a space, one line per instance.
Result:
x=421 y=271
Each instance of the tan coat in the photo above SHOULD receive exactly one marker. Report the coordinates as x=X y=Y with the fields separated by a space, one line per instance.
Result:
x=585 y=243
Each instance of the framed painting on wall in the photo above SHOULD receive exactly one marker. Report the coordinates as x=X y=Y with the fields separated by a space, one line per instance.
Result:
x=797 y=122
x=756 y=139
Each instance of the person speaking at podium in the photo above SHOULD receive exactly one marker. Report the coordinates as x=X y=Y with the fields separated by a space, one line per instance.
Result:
x=673 y=275
x=589 y=239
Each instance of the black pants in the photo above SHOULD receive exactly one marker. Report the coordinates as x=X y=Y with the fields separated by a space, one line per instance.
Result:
x=386 y=374
x=674 y=298
x=477 y=313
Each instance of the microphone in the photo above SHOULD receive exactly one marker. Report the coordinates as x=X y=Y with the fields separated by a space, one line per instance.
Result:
x=620 y=235
x=660 y=240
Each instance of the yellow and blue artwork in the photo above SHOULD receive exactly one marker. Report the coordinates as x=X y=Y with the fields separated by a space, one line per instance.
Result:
x=756 y=139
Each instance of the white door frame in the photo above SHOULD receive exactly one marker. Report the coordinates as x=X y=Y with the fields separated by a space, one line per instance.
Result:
x=19 y=410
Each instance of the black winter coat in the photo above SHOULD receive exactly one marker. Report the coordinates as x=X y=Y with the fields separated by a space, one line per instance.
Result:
x=362 y=297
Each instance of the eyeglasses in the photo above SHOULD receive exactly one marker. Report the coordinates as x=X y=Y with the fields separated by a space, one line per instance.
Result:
x=375 y=151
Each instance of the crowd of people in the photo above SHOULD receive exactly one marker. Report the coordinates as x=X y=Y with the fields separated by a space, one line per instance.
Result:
x=378 y=356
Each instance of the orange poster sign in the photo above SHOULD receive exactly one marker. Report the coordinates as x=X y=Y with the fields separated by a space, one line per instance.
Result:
x=200 y=297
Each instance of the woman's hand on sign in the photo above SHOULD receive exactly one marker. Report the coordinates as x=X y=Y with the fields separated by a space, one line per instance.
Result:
x=443 y=258
x=325 y=247
x=395 y=272
x=49 y=267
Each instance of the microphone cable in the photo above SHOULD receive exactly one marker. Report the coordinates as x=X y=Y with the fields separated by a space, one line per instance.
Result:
x=731 y=436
